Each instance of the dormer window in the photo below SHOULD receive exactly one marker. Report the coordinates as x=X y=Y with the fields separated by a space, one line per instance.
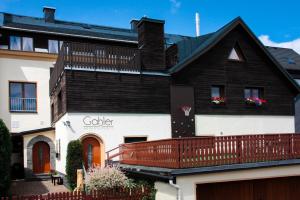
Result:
x=236 y=54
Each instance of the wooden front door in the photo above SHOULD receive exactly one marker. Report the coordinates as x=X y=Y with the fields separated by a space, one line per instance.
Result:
x=41 y=158
x=91 y=152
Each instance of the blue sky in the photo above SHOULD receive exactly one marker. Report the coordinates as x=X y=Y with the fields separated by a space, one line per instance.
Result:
x=277 y=22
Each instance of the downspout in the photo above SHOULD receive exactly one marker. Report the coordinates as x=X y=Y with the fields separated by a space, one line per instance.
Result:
x=177 y=187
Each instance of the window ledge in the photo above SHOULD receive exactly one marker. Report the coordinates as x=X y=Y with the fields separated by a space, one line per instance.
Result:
x=25 y=112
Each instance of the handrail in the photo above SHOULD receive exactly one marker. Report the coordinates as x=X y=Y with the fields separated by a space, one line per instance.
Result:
x=211 y=151
x=109 y=158
x=93 y=57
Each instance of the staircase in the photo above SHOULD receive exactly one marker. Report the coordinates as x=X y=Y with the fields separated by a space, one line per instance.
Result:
x=110 y=155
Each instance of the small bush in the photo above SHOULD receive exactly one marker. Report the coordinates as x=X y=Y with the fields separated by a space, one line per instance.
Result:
x=5 y=159
x=74 y=162
x=105 y=178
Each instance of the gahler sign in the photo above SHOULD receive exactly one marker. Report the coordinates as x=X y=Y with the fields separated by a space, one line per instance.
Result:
x=97 y=122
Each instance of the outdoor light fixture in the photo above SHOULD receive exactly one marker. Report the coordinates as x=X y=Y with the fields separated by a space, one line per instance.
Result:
x=67 y=123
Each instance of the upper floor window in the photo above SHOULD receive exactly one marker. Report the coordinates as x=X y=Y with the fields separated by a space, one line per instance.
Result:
x=236 y=54
x=218 y=94
x=22 y=97
x=27 y=44
x=21 y=43
x=254 y=96
x=15 y=43
x=54 y=46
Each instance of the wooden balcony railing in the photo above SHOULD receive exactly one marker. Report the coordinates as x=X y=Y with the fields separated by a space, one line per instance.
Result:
x=211 y=151
x=93 y=57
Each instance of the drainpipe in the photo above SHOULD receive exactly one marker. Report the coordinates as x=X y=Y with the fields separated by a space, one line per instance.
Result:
x=177 y=187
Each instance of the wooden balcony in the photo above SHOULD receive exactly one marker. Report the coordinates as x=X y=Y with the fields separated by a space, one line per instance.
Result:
x=211 y=151
x=94 y=57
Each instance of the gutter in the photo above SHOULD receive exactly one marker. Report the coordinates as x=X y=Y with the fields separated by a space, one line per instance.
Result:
x=177 y=187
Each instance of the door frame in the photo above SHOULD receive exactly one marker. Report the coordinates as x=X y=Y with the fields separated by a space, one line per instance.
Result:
x=99 y=139
x=33 y=157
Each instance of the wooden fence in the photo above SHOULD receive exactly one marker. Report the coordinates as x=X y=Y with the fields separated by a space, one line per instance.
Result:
x=211 y=151
x=113 y=194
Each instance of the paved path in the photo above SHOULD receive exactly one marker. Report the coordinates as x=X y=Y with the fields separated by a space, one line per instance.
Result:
x=35 y=187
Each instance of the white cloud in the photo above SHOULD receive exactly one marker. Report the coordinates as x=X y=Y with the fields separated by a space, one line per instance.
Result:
x=175 y=5
x=294 y=44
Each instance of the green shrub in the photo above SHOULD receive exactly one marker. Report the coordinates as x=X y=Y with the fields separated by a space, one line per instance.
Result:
x=5 y=159
x=74 y=162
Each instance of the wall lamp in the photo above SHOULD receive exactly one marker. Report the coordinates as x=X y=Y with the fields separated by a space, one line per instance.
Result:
x=67 y=123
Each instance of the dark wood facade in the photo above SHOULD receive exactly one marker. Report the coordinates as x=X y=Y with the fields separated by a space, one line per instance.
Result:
x=111 y=92
x=214 y=68
x=139 y=93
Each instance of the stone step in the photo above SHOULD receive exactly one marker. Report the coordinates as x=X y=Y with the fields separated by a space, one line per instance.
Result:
x=39 y=177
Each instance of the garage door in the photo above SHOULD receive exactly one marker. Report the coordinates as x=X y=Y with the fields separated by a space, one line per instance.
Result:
x=266 y=189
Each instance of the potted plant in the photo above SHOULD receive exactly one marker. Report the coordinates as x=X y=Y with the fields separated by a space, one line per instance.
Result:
x=255 y=101
x=218 y=100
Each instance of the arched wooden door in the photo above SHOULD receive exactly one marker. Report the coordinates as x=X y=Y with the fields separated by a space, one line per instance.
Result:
x=41 y=158
x=91 y=152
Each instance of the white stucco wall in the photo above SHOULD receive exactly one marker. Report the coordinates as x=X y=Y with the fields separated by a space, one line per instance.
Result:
x=243 y=124
x=165 y=191
x=27 y=138
x=188 y=183
x=154 y=126
x=31 y=71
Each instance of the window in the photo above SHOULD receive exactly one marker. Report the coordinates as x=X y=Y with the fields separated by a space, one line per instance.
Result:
x=15 y=43
x=59 y=103
x=254 y=97
x=52 y=112
x=134 y=139
x=22 y=97
x=253 y=93
x=236 y=54
x=218 y=94
x=27 y=44
x=298 y=81
x=21 y=43
x=54 y=46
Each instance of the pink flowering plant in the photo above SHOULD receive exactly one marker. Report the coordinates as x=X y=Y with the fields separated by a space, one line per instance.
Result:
x=255 y=101
x=218 y=100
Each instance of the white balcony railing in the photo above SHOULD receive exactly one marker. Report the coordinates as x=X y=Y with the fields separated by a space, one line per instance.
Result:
x=23 y=104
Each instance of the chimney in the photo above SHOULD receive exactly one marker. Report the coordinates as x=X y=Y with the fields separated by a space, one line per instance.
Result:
x=197 y=24
x=151 y=44
x=49 y=14
x=134 y=23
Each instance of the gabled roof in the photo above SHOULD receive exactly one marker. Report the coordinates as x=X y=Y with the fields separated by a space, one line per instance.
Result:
x=288 y=58
x=212 y=39
x=35 y=24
